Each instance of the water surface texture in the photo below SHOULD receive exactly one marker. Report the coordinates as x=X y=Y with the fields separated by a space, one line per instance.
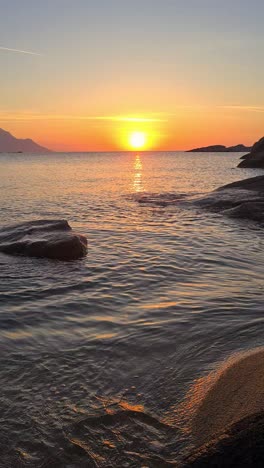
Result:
x=96 y=354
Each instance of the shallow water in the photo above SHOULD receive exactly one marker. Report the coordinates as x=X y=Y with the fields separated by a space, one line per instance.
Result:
x=97 y=353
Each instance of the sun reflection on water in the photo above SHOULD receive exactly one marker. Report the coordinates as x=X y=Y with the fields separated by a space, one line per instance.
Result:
x=137 y=180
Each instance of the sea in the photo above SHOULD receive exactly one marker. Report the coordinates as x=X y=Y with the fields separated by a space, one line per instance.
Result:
x=97 y=355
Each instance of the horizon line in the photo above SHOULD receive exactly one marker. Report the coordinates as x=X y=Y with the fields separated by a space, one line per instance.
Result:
x=51 y=151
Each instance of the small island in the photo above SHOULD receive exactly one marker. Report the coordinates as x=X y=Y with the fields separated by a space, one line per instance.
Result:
x=221 y=149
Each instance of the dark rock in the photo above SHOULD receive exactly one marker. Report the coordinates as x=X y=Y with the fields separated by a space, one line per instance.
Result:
x=258 y=146
x=10 y=144
x=243 y=199
x=240 y=446
x=255 y=184
x=238 y=148
x=43 y=238
x=255 y=158
x=209 y=149
x=253 y=210
x=222 y=200
x=244 y=156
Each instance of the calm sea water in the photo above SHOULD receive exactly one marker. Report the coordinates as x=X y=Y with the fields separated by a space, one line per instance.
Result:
x=97 y=353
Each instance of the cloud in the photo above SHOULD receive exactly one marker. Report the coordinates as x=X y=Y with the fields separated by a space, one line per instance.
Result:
x=28 y=52
x=245 y=108
x=129 y=119
x=27 y=116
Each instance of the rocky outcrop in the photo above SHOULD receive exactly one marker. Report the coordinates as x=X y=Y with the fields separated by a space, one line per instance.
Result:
x=255 y=184
x=242 y=199
x=10 y=144
x=253 y=211
x=221 y=149
x=255 y=158
x=43 y=238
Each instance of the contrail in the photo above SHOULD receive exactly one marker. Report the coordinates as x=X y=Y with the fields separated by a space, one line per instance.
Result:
x=19 y=51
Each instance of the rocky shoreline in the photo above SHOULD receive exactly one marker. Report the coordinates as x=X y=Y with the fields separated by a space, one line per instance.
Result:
x=229 y=422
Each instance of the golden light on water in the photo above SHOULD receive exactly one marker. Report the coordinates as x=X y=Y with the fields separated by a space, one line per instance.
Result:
x=137 y=181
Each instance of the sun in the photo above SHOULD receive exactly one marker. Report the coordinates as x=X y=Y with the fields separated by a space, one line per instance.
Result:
x=137 y=140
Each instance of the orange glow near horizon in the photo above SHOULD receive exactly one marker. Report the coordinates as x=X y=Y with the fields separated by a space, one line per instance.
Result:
x=182 y=130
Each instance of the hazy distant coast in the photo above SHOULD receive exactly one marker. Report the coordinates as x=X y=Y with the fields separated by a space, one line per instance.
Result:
x=221 y=149
x=11 y=144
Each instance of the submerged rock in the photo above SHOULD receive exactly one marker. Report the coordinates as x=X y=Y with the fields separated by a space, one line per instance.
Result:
x=243 y=199
x=256 y=156
x=43 y=238
x=159 y=199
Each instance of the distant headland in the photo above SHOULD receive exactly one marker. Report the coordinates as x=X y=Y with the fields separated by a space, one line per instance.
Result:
x=11 y=144
x=221 y=149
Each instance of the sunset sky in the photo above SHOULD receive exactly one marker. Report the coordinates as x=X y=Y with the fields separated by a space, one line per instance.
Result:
x=182 y=72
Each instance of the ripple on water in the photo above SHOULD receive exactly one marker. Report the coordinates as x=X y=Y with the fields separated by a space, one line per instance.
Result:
x=96 y=353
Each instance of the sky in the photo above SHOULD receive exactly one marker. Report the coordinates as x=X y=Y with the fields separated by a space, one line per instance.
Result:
x=87 y=74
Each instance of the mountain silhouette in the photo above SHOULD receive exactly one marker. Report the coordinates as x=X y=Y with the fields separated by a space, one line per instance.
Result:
x=10 y=144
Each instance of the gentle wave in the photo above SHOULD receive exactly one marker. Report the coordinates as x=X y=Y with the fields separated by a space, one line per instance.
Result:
x=167 y=291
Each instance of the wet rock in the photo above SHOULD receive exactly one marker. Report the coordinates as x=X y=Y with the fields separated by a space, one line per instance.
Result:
x=256 y=156
x=52 y=239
